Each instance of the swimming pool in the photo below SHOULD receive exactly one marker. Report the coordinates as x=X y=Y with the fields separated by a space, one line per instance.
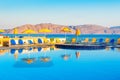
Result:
x=60 y=64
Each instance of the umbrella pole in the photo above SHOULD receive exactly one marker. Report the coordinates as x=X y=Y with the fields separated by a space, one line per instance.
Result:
x=45 y=34
x=65 y=35
x=76 y=38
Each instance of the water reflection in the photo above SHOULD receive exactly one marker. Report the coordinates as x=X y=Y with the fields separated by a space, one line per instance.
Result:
x=30 y=49
x=16 y=56
x=25 y=50
x=118 y=49
x=66 y=56
x=45 y=59
x=29 y=60
x=20 y=50
x=39 y=49
x=77 y=54
x=107 y=48
x=42 y=57
x=3 y=51
x=112 y=48
x=12 y=51
x=32 y=63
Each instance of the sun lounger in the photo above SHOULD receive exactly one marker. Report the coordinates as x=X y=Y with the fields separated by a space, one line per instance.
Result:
x=20 y=41
x=12 y=42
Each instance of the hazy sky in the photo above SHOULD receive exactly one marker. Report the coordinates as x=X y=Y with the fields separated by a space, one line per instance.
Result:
x=66 y=12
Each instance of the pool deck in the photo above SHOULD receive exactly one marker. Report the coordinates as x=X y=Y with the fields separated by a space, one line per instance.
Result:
x=64 y=46
x=24 y=46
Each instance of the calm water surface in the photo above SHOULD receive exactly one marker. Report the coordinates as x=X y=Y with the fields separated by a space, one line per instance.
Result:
x=59 y=64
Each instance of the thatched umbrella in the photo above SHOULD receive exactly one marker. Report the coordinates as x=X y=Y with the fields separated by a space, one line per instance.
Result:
x=45 y=30
x=65 y=30
x=77 y=33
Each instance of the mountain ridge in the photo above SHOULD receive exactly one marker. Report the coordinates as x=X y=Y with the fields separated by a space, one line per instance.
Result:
x=56 y=28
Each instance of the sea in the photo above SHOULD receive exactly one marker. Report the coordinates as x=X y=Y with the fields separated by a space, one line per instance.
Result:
x=68 y=36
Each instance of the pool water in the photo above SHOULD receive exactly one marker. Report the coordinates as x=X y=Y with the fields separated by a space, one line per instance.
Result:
x=60 y=64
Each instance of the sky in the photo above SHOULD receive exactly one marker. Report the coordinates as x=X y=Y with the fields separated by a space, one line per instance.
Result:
x=15 y=13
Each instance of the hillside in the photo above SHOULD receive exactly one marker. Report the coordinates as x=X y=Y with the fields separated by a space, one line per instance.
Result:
x=55 y=28
x=115 y=29
x=94 y=29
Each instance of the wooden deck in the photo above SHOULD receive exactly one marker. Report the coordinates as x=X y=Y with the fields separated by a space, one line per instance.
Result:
x=80 y=46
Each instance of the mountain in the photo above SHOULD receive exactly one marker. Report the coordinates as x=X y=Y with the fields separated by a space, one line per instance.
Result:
x=115 y=29
x=55 y=28
x=93 y=29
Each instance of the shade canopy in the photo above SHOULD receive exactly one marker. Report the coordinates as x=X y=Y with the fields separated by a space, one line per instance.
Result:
x=1 y=30
x=66 y=29
x=45 y=30
x=77 y=32
x=15 y=31
x=29 y=31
